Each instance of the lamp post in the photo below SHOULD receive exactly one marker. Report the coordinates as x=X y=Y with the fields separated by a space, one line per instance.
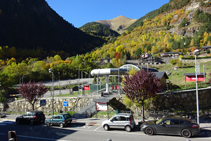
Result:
x=51 y=71
x=118 y=81
x=79 y=75
x=23 y=77
x=196 y=52
x=59 y=83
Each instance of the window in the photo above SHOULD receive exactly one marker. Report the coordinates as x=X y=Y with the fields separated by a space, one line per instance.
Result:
x=122 y=118
x=55 y=117
x=175 y=122
x=115 y=118
x=166 y=122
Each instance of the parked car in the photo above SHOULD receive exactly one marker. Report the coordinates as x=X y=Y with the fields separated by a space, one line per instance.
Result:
x=2 y=115
x=171 y=126
x=121 y=120
x=60 y=119
x=31 y=118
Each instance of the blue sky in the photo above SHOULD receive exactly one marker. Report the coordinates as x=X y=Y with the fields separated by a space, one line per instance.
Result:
x=80 y=12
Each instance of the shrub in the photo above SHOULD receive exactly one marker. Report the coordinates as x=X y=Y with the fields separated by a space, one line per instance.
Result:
x=207 y=51
x=173 y=62
x=179 y=63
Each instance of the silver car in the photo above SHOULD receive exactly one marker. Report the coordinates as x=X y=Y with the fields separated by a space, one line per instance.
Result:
x=122 y=121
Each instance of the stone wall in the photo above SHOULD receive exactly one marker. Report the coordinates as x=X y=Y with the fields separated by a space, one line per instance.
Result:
x=172 y=101
x=182 y=100
x=193 y=60
x=73 y=104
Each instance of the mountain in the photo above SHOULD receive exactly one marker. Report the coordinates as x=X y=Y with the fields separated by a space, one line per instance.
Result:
x=118 y=24
x=178 y=26
x=99 y=30
x=32 y=24
x=172 y=5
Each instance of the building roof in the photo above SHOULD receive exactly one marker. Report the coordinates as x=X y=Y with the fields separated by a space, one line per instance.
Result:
x=160 y=75
x=192 y=74
x=205 y=47
x=172 y=53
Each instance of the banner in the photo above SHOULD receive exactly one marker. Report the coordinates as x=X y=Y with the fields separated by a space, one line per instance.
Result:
x=193 y=78
x=86 y=87
x=101 y=106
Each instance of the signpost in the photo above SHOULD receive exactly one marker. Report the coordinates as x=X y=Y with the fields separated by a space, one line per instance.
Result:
x=65 y=105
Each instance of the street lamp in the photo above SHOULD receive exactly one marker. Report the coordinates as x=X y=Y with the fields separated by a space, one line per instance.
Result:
x=59 y=83
x=118 y=81
x=51 y=71
x=196 y=52
x=79 y=75
x=23 y=77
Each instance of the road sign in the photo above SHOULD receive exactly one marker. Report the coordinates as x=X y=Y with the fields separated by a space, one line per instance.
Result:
x=42 y=102
x=65 y=103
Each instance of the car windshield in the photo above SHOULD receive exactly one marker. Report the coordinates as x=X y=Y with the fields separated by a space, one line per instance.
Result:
x=159 y=121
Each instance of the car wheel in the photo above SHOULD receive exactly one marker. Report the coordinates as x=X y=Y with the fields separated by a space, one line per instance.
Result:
x=128 y=128
x=31 y=123
x=186 y=133
x=149 y=131
x=61 y=125
x=18 y=122
x=106 y=127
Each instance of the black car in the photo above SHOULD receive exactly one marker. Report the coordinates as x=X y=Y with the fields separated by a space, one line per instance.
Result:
x=171 y=126
x=60 y=119
x=31 y=118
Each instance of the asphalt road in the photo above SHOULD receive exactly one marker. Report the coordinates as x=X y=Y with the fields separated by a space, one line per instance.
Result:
x=82 y=132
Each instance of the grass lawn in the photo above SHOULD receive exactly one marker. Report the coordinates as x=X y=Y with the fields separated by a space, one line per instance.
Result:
x=177 y=76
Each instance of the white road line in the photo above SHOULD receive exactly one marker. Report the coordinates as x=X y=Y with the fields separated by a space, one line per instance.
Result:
x=97 y=128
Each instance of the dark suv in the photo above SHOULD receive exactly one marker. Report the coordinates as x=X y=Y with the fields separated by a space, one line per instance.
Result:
x=31 y=118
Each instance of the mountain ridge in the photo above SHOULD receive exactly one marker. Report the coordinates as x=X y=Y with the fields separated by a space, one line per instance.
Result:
x=29 y=24
x=118 y=24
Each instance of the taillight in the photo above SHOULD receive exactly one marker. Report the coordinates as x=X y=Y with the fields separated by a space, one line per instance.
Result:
x=64 y=120
x=35 y=116
x=130 y=120
x=195 y=126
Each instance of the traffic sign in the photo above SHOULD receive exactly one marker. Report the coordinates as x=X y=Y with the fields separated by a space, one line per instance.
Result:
x=42 y=102
x=65 y=103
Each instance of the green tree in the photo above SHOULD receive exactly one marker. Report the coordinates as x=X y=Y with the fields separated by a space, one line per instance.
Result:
x=2 y=96
x=138 y=53
x=57 y=58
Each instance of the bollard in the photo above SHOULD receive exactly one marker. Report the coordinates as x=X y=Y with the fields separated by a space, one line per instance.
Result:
x=12 y=136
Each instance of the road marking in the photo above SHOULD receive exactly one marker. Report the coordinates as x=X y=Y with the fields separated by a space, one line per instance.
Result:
x=40 y=138
x=97 y=128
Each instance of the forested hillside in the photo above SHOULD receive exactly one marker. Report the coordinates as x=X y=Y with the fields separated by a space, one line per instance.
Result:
x=99 y=30
x=182 y=28
x=178 y=29
x=30 y=28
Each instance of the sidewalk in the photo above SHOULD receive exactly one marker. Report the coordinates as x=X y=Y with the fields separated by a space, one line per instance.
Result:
x=97 y=121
